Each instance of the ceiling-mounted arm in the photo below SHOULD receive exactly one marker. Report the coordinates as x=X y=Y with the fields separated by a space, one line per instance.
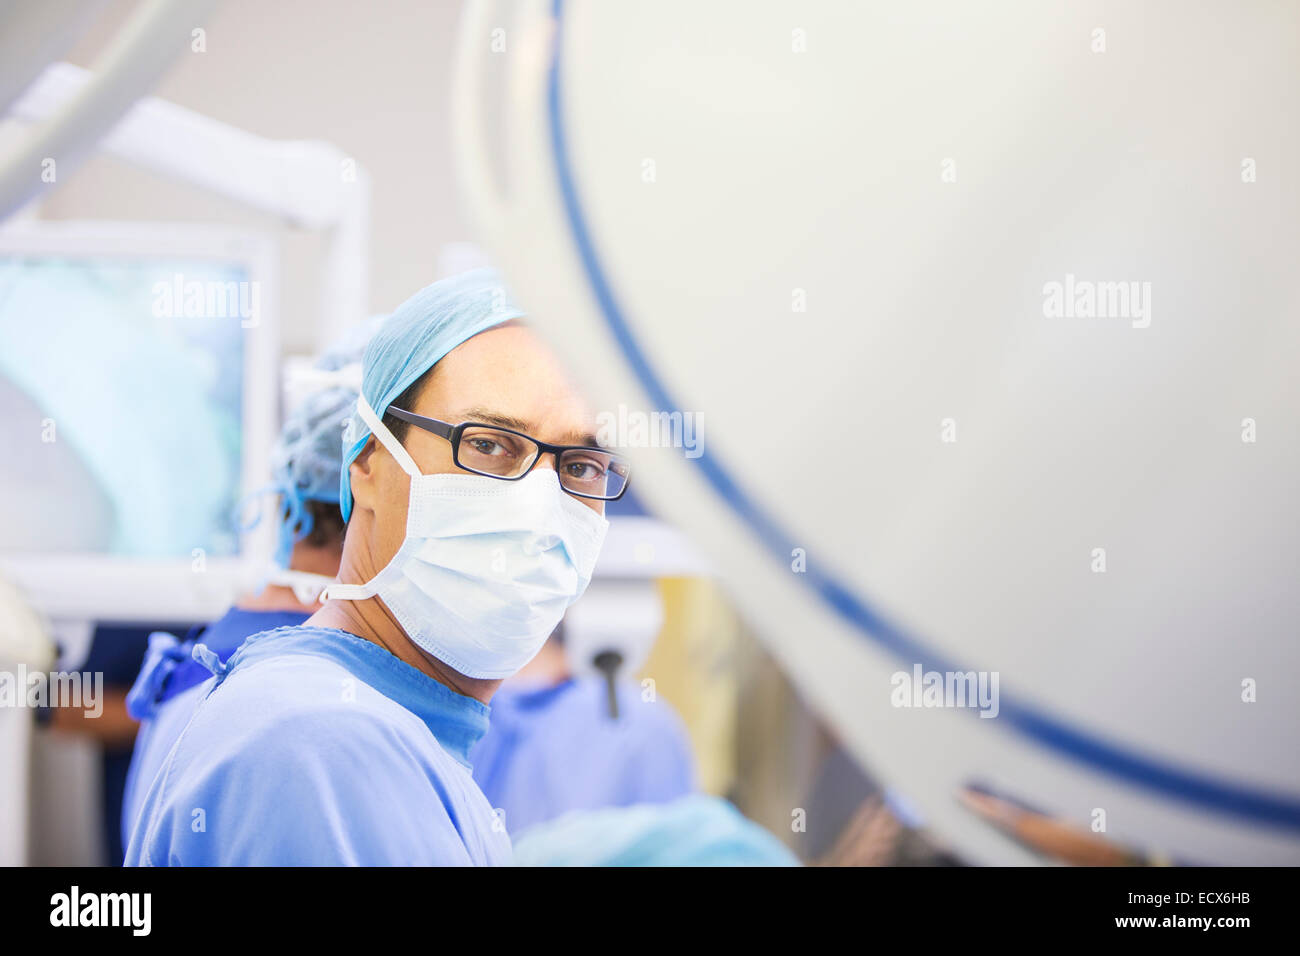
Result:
x=308 y=184
x=135 y=59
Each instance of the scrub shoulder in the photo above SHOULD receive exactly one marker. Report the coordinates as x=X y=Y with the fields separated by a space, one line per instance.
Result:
x=292 y=760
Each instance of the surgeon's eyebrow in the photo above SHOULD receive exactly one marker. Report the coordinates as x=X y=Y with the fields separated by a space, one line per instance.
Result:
x=486 y=416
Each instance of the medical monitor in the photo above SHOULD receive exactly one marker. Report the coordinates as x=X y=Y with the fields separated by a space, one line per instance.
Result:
x=138 y=404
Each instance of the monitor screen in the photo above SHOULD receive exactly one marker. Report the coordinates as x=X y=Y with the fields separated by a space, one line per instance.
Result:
x=121 y=403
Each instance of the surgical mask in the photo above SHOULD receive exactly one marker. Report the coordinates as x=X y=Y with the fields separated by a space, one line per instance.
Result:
x=488 y=567
x=306 y=586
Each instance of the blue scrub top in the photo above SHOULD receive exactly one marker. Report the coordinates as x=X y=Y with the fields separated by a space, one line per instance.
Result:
x=315 y=747
x=170 y=672
x=223 y=637
x=555 y=748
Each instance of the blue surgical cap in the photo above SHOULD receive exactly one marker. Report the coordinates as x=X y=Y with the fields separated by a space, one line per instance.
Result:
x=305 y=462
x=424 y=328
x=305 y=459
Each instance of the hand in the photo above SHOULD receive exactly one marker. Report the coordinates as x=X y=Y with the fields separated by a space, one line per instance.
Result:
x=1062 y=841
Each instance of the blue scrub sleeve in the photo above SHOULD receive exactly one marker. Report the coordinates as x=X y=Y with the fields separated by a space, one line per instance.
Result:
x=664 y=765
x=302 y=789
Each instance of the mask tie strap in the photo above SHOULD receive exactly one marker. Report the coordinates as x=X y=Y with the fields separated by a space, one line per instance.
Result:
x=347 y=592
x=359 y=592
x=387 y=438
x=306 y=587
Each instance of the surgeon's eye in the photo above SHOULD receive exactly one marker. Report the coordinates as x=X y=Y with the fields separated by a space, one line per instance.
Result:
x=584 y=470
x=595 y=474
x=495 y=452
x=486 y=446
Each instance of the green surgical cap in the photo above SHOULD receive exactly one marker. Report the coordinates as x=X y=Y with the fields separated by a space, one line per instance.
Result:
x=414 y=338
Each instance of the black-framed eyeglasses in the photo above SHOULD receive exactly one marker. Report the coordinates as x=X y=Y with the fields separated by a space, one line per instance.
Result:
x=496 y=452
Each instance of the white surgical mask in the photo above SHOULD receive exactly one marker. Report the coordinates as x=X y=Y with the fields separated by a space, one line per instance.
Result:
x=488 y=567
x=306 y=586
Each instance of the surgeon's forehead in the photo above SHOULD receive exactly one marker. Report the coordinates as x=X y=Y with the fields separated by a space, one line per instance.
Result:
x=507 y=376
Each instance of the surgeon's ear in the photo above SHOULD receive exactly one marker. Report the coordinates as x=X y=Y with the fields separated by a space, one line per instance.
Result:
x=361 y=475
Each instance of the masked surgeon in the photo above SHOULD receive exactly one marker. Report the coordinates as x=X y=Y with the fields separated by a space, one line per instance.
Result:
x=474 y=494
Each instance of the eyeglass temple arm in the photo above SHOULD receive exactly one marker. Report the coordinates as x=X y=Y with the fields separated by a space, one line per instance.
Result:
x=441 y=429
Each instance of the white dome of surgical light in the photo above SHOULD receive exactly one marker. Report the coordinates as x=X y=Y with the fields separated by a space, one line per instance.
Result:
x=995 y=341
